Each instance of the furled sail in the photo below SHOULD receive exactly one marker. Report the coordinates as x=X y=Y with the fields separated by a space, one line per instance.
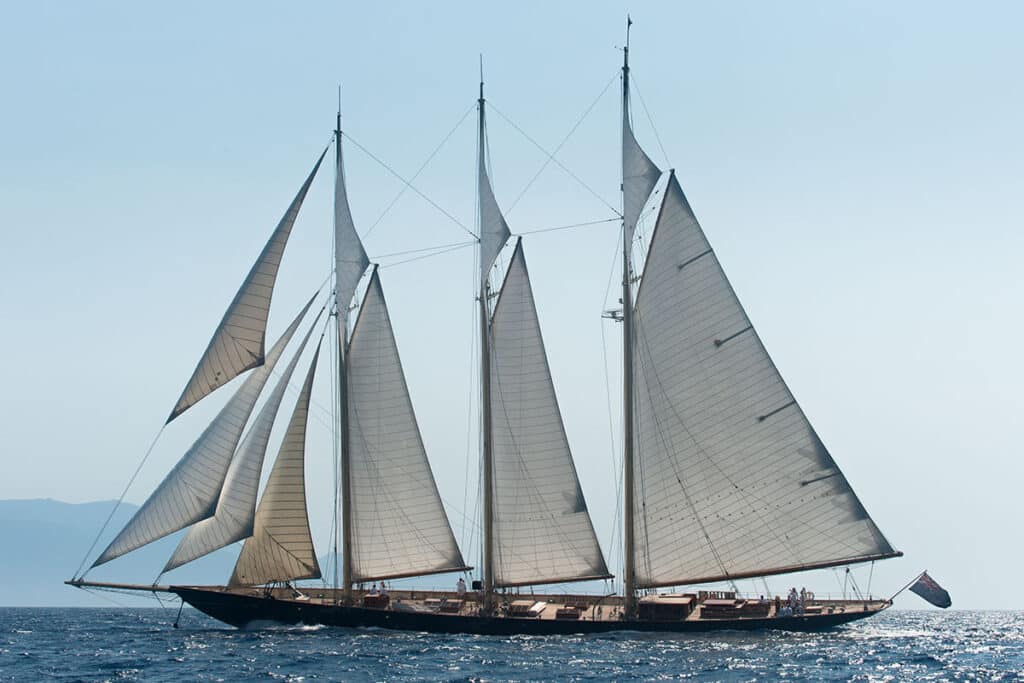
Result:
x=349 y=255
x=731 y=479
x=190 y=491
x=399 y=526
x=543 y=532
x=639 y=176
x=238 y=343
x=494 y=230
x=281 y=546
x=236 y=508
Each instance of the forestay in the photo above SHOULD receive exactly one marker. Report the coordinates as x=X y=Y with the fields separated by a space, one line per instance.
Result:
x=190 y=491
x=238 y=342
x=236 y=507
x=732 y=480
x=281 y=546
x=399 y=526
x=543 y=532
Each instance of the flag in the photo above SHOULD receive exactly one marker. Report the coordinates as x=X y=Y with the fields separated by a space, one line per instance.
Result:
x=927 y=588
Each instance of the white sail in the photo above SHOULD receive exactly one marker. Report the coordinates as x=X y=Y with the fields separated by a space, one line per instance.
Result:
x=349 y=255
x=238 y=342
x=190 y=491
x=543 y=532
x=731 y=479
x=639 y=176
x=236 y=508
x=399 y=526
x=281 y=546
x=494 y=230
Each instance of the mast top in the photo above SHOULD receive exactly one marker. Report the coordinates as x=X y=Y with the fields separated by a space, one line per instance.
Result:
x=481 y=78
x=337 y=129
x=625 y=50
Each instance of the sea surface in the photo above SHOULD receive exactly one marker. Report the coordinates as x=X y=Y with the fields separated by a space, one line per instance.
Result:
x=141 y=645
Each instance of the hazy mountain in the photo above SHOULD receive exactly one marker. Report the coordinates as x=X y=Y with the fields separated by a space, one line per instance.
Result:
x=44 y=541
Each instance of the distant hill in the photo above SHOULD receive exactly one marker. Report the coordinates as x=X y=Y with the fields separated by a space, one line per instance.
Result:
x=44 y=541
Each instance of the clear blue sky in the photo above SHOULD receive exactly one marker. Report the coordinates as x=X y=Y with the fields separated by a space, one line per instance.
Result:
x=857 y=166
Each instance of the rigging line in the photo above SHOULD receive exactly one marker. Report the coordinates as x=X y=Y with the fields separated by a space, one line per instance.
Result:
x=463 y=245
x=410 y=185
x=650 y=120
x=617 y=472
x=469 y=401
x=614 y=219
x=552 y=158
x=149 y=451
x=562 y=143
x=423 y=249
x=418 y=171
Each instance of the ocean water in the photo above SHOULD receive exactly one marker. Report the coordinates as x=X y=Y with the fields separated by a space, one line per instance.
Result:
x=140 y=645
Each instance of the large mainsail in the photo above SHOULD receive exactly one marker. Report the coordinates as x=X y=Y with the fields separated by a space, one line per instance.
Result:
x=237 y=344
x=399 y=526
x=190 y=491
x=236 y=508
x=542 y=530
x=281 y=546
x=731 y=479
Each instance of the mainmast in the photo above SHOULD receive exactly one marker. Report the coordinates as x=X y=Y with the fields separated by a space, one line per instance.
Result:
x=485 y=375
x=627 y=367
x=341 y=311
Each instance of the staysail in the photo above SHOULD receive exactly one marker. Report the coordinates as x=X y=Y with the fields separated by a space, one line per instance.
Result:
x=281 y=546
x=236 y=508
x=238 y=342
x=399 y=526
x=190 y=491
x=543 y=532
x=731 y=479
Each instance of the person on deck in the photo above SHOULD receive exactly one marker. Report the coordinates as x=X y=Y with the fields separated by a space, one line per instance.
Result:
x=460 y=588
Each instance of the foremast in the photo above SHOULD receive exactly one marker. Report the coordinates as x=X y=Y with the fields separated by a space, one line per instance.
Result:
x=485 y=375
x=627 y=365
x=341 y=313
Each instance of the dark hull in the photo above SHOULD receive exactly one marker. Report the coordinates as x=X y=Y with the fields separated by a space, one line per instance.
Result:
x=254 y=611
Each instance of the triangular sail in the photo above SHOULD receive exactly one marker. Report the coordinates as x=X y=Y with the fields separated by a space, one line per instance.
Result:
x=639 y=176
x=731 y=479
x=399 y=526
x=237 y=344
x=281 y=546
x=543 y=532
x=190 y=491
x=236 y=507
x=494 y=230
x=349 y=255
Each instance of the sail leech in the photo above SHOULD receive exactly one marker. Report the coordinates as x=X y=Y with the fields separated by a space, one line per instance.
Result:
x=237 y=344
